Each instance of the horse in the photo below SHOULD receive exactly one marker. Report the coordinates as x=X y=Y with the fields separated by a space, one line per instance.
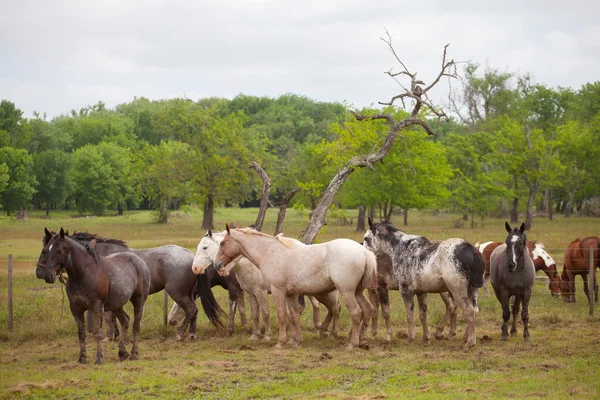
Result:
x=341 y=264
x=577 y=262
x=97 y=283
x=386 y=281
x=541 y=260
x=512 y=273
x=235 y=293
x=170 y=269
x=253 y=283
x=422 y=267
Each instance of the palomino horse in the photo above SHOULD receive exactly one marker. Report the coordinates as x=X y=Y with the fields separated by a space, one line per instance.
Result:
x=512 y=274
x=252 y=282
x=422 y=267
x=97 y=283
x=541 y=260
x=340 y=264
x=577 y=262
x=170 y=269
x=386 y=281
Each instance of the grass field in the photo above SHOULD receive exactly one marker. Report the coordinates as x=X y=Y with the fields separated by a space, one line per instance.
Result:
x=38 y=359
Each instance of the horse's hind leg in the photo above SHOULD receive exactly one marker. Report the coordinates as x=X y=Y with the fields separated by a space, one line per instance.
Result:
x=98 y=312
x=331 y=302
x=450 y=314
x=254 y=307
x=124 y=321
x=586 y=289
x=516 y=308
x=316 y=312
x=375 y=302
x=295 y=310
x=409 y=305
x=525 y=314
x=191 y=313
x=486 y=283
x=422 y=300
x=383 y=295
x=367 y=312
x=138 y=312
x=263 y=306
x=356 y=313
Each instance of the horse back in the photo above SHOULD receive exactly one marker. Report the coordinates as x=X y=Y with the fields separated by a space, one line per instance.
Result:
x=128 y=275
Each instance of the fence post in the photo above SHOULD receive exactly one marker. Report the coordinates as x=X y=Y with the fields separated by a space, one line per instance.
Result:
x=592 y=281
x=165 y=307
x=10 y=296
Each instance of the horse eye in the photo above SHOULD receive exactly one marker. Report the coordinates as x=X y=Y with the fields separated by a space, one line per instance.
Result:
x=221 y=244
x=205 y=247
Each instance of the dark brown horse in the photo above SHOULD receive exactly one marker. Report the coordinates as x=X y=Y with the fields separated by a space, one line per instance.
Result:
x=577 y=262
x=541 y=260
x=97 y=283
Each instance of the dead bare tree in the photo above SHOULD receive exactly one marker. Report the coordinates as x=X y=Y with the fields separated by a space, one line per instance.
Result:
x=418 y=94
x=264 y=198
x=282 y=210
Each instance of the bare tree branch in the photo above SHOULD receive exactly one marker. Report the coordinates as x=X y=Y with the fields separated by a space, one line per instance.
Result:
x=264 y=198
x=282 y=210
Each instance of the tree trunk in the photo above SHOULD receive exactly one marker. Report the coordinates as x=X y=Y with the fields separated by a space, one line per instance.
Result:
x=209 y=210
x=163 y=211
x=120 y=209
x=529 y=211
x=504 y=208
x=264 y=197
x=47 y=208
x=282 y=210
x=360 y=223
x=465 y=216
x=550 y=205
x=514 y=211
x=542 y=206
x=569 y=206
x=405 y=214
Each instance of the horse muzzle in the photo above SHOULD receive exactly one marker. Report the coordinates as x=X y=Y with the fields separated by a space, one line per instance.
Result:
x=511 y=267
x=198 y=270
x=50 y=277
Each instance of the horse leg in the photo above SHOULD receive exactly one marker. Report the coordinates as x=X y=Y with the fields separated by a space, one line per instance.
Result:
x=255 y=316
x=515 y=314
x=138 y=302
x=384 y=299
x=486 y=283
x=124 y=321
x=242 y=310
x=375 y=302
x=460 y=294
x=328 y=303
x=80 y=320
x=505 y=301
x=295 y=310
x=176 y=315
x=525 y=314
x=98 y=312
x=409 y=305
x=191 y=313
x=367 y=311
x=263 y=306
x=422 y=300
x=281 y=308
x=450 y=314
x=571 y=284
x=316 y=312
x=355 y=311
x=585 y=286
x=233 y=299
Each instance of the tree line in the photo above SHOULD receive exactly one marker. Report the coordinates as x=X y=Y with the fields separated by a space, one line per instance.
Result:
x=511 y=146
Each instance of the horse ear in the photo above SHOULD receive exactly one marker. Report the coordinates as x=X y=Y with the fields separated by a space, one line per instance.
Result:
x=92 y=244
x=47 y=232
x=371 y=227
x=507 y=226
x=62 y=233
x=209 y=233
x=522 y=228
x=227 y=227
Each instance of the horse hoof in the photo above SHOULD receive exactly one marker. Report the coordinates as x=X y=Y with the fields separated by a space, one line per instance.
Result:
x=123 y=355
x=134 y=356
x=266 y=338
x=323 y=335
x=388 y=338
x=504 y=338
x=350 y=346
x=81 y=360
x=99 y=360
x=192 y=336
x=364 y=346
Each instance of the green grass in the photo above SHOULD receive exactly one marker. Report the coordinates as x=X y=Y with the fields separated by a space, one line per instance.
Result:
x=38 y=359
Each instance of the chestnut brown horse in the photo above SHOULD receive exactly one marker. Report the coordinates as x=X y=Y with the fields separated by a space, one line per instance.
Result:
x=577 y=262
x=541 y=260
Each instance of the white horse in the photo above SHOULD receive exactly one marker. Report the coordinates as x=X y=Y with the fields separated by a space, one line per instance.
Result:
x=251 y=281
x=290 y=271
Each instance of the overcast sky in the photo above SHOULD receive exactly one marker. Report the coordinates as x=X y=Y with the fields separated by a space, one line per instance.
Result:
x=59 y=55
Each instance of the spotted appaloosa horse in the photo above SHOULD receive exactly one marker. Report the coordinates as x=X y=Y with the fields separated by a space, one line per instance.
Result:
x=422 y=267
x=541 y=260
x=512 y=274
x=97 y=283
x=577 y=262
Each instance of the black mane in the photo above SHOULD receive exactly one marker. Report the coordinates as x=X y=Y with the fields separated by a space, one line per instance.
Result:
x=86 y=237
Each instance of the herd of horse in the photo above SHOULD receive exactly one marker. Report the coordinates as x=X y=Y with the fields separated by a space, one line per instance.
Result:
x=102 y=275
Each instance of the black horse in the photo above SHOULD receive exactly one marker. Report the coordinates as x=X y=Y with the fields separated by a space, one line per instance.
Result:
x=512 y=273
x=97 y=283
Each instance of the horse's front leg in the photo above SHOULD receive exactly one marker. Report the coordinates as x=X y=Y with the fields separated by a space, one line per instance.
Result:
x=242 y=309
x=280 y=307
x=295 y=310
x=263 y=305
x=80 y=320
x=98 y=313
x=516 y=308
x=375 y=302
x=383 y=295
x=233 y=301
x=316 y=312
x=254 y=307
x=124 y=320
x=450 y=314
x=422 y=300
x=505 y=300
x=525 y=314
x=586 y=289
x=409 y=305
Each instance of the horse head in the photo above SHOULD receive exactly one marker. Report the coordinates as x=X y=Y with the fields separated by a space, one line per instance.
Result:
x=516 y=245
x=379 y=237
x=57 y=257
x=229 y=250
x=41 y=264
x=206 y=252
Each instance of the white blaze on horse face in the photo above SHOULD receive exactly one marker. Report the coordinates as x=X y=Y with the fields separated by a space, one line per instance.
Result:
x=539 y=251
x=50 y=248
x=513 y=240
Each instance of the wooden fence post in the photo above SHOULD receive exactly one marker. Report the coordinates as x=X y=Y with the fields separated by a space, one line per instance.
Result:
x=165 y=307
x=10 y=294
x=592 y=281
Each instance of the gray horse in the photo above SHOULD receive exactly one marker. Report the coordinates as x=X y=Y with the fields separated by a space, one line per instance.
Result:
x=512 y=273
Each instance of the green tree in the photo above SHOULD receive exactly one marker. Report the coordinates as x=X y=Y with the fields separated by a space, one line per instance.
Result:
x=21 y=181
x=52 y=168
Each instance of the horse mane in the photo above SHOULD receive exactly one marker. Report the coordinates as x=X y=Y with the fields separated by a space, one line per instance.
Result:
x=86 y=236
x=287 y=242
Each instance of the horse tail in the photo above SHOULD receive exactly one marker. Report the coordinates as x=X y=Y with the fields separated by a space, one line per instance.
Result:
x=211 y=307
x=369 y=280
x=472 y=263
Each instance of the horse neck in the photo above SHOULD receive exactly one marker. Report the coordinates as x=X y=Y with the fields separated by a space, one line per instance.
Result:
x=258 y=248
x=110 y=248
x=79 y=260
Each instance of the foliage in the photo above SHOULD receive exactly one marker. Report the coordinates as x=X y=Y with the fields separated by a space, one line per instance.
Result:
x=21 y=184
x=52 y=170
